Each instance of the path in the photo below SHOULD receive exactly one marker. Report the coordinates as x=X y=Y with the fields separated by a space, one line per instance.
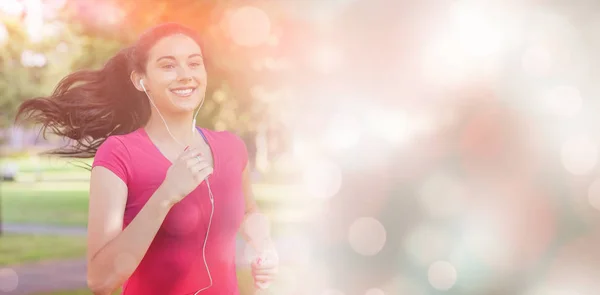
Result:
x=44 y=277
x=47 y=276
x=43 y=229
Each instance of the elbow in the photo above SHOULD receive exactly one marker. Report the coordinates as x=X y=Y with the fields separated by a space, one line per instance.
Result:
x=97 y=288
x=105 y=281
x=98 y=285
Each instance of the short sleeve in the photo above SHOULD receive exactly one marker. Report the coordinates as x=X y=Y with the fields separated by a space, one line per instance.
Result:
x=114 y=156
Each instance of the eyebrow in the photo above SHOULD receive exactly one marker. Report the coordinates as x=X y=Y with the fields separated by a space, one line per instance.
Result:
x=173 y=58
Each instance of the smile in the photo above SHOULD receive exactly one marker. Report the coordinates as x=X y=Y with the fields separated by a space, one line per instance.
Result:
x=183 y=92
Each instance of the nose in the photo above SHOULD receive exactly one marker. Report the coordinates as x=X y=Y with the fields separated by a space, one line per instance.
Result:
x=184 y=74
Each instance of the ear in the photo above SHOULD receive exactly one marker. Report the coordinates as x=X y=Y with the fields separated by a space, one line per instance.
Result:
x=135 y=79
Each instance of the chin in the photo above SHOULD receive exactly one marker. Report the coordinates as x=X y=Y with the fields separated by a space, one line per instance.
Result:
x=185 y=104
x=186 y=107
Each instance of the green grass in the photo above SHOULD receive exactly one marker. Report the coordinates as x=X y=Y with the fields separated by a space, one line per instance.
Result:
x=58 y=203
x=58 y=197
x=17 y=248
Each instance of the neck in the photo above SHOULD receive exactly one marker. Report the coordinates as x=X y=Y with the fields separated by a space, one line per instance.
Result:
x=179 y=126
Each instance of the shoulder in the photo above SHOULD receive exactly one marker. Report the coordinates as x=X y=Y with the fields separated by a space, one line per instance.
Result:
x=114 y=154
x=119 y=142
x=111 y=146
x=112 y=142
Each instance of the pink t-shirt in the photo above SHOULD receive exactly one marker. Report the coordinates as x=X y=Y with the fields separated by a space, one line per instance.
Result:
x=173 y=264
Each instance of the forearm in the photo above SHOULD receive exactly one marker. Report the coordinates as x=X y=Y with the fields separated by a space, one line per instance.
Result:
x=255 y=229
x=246 y=230
x=116 y=261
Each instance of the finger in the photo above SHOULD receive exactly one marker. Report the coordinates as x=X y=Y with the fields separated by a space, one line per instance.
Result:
x=193 y=163
x=265 y=271
x=204 y=173
x=263 y=279
x=199 y=165
x=261 y=285
x=265 y=263
x=264 y=268
x=265 y=274
x=190 y=149
x=190 y=153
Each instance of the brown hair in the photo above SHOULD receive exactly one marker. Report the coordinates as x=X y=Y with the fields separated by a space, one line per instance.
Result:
x=89 y=105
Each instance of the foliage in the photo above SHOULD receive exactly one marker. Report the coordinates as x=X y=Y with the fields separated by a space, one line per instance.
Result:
x=63 y=49
x=87 y=33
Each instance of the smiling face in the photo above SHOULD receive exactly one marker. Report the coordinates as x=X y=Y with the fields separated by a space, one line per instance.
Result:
x=175 y=76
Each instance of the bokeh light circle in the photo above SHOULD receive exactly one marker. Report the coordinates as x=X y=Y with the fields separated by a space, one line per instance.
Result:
x=367 y=236
x=249 y=26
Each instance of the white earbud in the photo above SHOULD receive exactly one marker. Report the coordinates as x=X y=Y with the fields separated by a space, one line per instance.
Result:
x=142 y=84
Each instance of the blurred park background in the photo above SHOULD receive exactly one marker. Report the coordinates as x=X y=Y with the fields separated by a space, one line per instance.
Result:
x=399 y=147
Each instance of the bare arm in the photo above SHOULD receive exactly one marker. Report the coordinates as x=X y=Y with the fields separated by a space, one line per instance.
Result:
x=255 y=226
x=256 y=232
x=114 y=253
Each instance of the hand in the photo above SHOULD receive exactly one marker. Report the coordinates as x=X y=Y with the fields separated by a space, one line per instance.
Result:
x=265 y=269
x=185 y=174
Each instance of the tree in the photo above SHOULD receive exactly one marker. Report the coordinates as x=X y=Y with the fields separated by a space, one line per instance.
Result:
x=87 y=33
x=32 y=69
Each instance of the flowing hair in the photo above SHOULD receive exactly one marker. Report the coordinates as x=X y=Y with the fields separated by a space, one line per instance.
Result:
x=87 y=106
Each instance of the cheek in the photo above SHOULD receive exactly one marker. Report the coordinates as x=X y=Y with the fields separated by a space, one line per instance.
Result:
x=161 y=81
x=159 y=74
x=200 y=74
x=166 y=78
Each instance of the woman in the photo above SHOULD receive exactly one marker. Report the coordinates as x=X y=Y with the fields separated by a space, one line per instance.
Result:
x=166 y=198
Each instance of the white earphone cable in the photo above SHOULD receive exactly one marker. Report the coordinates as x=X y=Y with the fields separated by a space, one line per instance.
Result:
x=210 y=194
x=212 y=211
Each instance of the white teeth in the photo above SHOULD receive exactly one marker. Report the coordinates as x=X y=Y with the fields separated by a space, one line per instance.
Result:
x=183 y=92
